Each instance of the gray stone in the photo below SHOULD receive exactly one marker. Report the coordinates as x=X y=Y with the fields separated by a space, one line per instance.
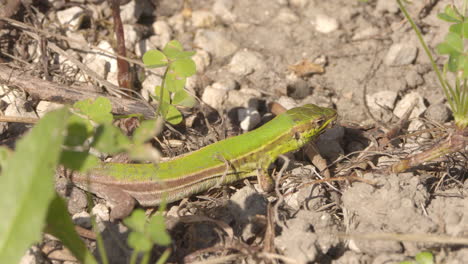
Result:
x=203 y=19
x=225 y=84
x=177 y=22
x=131 y=12
x=383 y=99
x=222 y=8
x=401 y=54
x=438 y=113
x=286 y=16
x=82 y=219
x=215 y=43
x=163 y=32
x=44 y=107
x=413 y=79
x=365 y=33
x=298 y=3
x=243 y=206
x=214 y=97
x=71 y=17
x=99 y=62
x=325 y=24
x=10 y=95
x=387 y=6
x=407 y=101
x=148 y=85
x=202 y=60
x=245 y=62
x=245 y=97
x=132 y=36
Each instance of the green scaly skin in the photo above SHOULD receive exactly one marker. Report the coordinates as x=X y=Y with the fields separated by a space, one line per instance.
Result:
x=224 y=162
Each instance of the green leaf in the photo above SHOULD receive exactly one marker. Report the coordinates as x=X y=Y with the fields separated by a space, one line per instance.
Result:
x=174 y=82
x=463 y=65
x=453 y=45
x=109 y=139
x=182 y=98
x=156 y=229
x=425 y=258
x=60 y=225
x=461 y=29
x=154 y=59
x=453 y=12
x=174 y=45
x=136 y=221
x=138 y=239
x=173 y=115
x=184 y=67
x=166 y=95
x=27 y=185
x=78 y=130
x=139 y=242
x=78 y=161
x=453 y=63
x=5 y=154
x=98 y=110
x=174 y=50
x=447 y=18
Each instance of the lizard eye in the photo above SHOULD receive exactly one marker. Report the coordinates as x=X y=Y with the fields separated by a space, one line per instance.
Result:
x=320 y=122
x=297 y=135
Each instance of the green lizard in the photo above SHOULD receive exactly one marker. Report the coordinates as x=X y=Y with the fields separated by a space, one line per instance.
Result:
x=226 y=161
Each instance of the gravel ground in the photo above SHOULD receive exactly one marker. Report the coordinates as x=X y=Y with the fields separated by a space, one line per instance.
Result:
x=342 y=54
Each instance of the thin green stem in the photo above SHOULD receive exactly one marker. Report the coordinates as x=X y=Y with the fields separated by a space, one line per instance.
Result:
x=426 y=49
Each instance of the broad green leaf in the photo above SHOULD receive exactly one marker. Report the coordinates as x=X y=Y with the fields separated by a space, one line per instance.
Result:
x=163 y=108
x=78 y=130
x=447 y=18
x=109 y=139
x=156 y=229
x=464 y=66
x=170 y=113
x=27 y=185
x=166 y=95
x=174 y=82
x=184 y=67
x=60 y=225
x=98 y=110
x=460 y=29
x=136 y=221
x=78 y=161
x=174 y=50
x=173 y=44
x=425 y=258
x=173 y=115
x=182 y=98
x=453 y=44
x=137 y=238
x=139 y=242
x=453 y=12
x=453 y=63
x=5 y=154
x=154 y=59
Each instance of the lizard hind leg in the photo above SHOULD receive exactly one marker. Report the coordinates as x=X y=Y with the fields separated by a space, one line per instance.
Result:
x=121 y=202
x=264 y=180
